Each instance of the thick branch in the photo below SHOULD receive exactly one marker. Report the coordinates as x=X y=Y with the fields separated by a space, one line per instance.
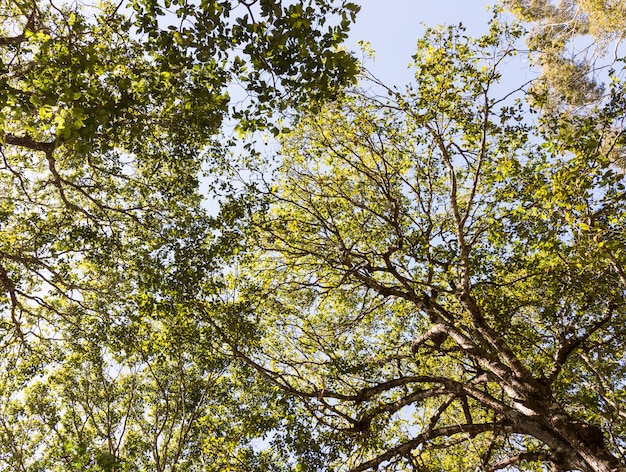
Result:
x=437 y=334
x=397 y=405
x=16 y=306
x=523 y=457
x=9 y=40
x=28 y=142
x=569 y=346
x=469 y=430
x=494 y=338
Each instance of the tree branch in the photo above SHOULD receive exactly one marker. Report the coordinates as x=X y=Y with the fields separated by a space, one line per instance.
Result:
x=523 y=457
x=569 y=346
x=28 y=142
x=469 y=430
x=10 y=40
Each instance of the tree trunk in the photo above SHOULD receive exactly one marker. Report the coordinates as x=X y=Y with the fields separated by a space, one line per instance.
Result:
x=588 y=443
x=575 y=445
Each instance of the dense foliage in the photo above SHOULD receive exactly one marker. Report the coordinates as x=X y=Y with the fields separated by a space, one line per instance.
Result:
x=427 y=279
x=439 y=275
x=574 y=42
x=110 y=112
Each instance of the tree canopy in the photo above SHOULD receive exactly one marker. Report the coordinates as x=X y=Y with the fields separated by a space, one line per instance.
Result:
x=573 y=41
x=423 y=279
x=110 y=114
x=439 y=273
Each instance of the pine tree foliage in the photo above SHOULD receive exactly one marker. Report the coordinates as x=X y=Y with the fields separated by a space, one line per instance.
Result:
x=573 y=41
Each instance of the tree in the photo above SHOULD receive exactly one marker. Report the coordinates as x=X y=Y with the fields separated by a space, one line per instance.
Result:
x=571 y=65
x=438 y=278
x=110 y=113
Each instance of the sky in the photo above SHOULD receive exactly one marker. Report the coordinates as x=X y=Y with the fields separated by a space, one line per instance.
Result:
x=392 y=27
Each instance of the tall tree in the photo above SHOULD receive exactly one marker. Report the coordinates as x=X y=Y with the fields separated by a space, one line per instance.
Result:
x=110 y=113
x=438 y=281
x=573 y=41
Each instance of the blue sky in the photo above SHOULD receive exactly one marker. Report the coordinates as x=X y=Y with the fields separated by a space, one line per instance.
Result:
x=393 y=27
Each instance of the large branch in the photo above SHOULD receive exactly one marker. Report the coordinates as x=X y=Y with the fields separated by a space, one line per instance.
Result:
x=28 y=142
x=569 y=346
x=523 y=457
x=16 y=306
x=12 y=40
x=484 y=333
x=511 y=373
x=437 y=334
x=469 y=430
x=395 y=406
x=495 y=339
x=48 y=147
